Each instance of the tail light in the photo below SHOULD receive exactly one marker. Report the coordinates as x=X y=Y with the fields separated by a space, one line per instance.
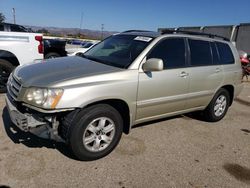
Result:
x=40 y=46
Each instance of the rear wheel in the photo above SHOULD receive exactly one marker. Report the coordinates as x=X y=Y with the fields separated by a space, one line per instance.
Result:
x=52 y=55
x=95 y=132
x=5 y=69
x=218 y=107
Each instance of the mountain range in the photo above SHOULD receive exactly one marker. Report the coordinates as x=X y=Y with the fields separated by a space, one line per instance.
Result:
x=73 y=31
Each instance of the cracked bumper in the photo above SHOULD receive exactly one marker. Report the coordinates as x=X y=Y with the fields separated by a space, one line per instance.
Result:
x=23 y=121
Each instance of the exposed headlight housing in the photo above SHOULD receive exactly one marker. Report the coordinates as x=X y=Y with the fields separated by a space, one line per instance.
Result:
x=43 y=97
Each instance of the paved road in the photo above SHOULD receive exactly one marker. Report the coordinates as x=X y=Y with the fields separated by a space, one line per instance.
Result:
x=178 y=152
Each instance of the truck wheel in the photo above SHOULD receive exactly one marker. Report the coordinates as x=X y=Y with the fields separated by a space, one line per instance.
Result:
x=95 y=132
x=5 y=69
x=218 y=107
x=52 y=55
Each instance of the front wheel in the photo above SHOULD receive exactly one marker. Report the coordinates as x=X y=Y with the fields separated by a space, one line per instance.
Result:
x=95 y=132
x=218 y=107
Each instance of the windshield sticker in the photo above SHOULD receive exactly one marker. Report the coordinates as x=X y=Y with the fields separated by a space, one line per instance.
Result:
x=144 y=39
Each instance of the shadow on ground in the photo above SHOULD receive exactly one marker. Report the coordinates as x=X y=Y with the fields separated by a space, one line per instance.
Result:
x=20 y=137
x=4 y=186
x=239 y=172
x=189 y=116
x=243 y=102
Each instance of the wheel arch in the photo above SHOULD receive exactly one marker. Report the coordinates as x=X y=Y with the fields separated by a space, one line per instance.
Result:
x=122 y=107
x=8 y=56
x=230 y=89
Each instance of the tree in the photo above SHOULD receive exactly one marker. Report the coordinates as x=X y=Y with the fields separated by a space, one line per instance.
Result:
x=2 y=17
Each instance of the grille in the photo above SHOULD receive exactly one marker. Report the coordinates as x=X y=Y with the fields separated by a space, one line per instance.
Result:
x=14 y=87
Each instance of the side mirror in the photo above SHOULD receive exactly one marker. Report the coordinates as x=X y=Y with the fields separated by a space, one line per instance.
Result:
x=153 y=64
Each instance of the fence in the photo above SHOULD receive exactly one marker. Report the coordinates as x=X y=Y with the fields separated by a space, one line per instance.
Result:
x=240 y=34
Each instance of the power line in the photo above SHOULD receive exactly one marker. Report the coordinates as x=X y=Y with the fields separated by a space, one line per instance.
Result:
x=81 y=23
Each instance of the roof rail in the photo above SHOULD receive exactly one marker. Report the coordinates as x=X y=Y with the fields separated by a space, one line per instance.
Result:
x=169 y=31
x=130 y=31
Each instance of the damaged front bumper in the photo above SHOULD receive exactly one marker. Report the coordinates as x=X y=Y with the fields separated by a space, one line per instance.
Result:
x=41 y=127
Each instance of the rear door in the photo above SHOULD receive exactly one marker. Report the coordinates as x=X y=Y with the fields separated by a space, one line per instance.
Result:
x=206 y=74
x=164 y=92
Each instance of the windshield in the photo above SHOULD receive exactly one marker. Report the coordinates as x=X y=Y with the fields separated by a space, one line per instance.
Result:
x=118 y=50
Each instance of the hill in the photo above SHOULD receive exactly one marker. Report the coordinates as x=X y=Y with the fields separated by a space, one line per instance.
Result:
x=92 y=34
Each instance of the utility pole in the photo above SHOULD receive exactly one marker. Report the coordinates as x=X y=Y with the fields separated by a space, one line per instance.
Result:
x=14 y=15
x=81 y=23
x=102 y=30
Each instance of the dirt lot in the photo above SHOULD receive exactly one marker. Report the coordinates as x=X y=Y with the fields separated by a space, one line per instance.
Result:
x=177 y=152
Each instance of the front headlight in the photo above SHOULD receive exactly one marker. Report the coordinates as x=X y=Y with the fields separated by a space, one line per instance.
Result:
x=43 y=97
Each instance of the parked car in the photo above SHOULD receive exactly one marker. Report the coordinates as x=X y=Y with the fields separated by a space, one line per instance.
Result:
x=54 y=48
x=77 y=42
x=8 y=27
x=82 y=49
x=17 y=48
x=127 y=79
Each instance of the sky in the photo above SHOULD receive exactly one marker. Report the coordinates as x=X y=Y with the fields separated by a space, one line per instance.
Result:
x=120 y=15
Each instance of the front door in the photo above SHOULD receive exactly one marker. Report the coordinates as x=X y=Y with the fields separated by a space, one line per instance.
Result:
x=164 y=92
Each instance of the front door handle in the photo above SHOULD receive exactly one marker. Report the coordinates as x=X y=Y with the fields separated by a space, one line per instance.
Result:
x=217 y=70
x=183 y=74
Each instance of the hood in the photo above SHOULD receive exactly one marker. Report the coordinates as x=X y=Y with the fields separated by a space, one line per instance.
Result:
x=52 y=71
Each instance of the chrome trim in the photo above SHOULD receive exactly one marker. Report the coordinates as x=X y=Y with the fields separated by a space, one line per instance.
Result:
x=14 y=86
x=14 y=38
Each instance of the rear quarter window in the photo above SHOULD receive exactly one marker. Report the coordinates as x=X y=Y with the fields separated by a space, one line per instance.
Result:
x=225 y=52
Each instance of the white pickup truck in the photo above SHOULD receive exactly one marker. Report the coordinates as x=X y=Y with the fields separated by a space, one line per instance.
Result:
x=18 y=48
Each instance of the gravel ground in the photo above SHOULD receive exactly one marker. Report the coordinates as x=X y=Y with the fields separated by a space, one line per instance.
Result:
x=176 y=152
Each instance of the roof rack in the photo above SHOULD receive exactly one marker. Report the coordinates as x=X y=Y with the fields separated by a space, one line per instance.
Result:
x=169 y=31
x=130 y=31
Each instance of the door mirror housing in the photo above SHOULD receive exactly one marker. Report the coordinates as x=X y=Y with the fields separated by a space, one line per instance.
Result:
x=152 y=65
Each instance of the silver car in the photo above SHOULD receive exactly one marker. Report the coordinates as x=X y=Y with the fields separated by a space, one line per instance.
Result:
x=129 y=78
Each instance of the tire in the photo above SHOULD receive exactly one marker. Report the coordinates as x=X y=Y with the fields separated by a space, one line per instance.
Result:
x=5 y=69
x=86 y=139
x=218 y=106
x=51 y=55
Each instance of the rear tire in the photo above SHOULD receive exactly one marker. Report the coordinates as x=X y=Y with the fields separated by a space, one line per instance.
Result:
x=218 y=106
x=95 y=132
x=51 y=55
x=5 y=69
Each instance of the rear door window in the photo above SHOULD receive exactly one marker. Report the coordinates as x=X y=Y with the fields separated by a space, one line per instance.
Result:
x=200 y=53
x=171 y=51
x=216 y=59
x=226 y=55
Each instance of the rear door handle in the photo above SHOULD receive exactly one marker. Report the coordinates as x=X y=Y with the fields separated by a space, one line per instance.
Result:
x=183 y=74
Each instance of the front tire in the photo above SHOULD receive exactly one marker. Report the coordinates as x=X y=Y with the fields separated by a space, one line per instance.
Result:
x=218 y=107
x=95 y=132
